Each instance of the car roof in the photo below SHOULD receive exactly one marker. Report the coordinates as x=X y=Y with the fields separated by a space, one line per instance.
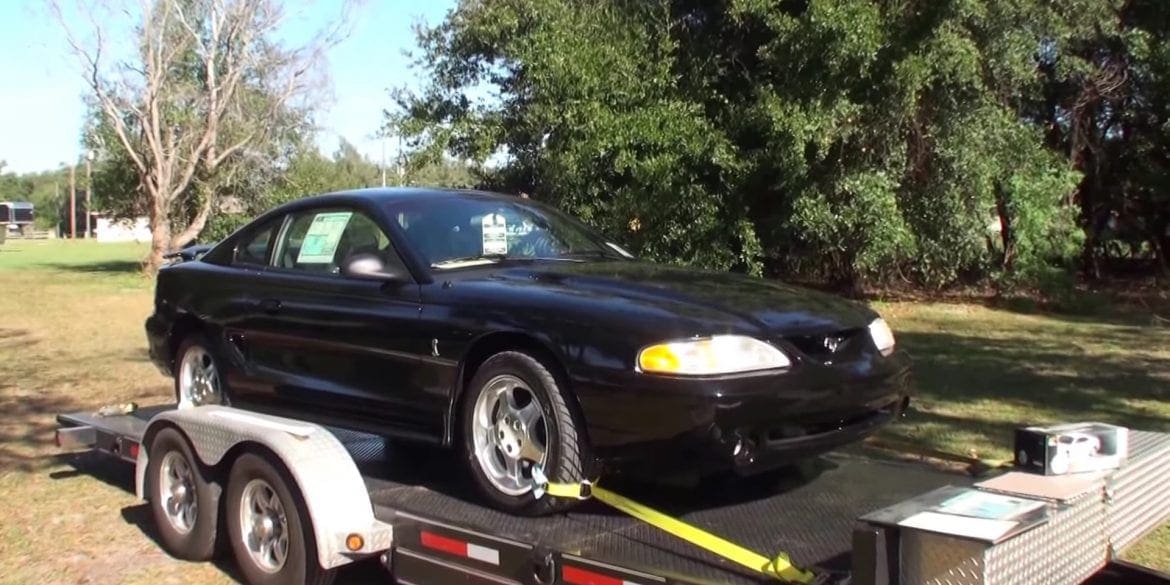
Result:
x=377 y=195
x=382 y=194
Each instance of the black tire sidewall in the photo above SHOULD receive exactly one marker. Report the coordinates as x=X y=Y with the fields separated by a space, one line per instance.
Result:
x=524 y=367
x=200 y=543
x=200 y=340
x=301 y=564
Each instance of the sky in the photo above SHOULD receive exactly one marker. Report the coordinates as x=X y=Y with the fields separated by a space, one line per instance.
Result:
x=41 y=88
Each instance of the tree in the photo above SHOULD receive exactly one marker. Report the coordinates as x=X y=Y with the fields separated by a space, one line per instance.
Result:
x=14 y=187
x=306 y=172
x=209 y=85
x=844 y=140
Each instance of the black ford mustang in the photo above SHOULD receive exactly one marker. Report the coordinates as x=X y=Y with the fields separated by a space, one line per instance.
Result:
x=504 y=328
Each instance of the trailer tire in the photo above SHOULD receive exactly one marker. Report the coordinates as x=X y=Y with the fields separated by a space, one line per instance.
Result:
x=270 y=492
x=184 y=504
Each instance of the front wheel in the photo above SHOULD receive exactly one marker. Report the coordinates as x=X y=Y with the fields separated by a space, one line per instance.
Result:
x=515 y=417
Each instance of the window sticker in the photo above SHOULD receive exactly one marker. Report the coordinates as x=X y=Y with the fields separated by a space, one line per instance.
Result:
x=495 y=234
x=322 y=238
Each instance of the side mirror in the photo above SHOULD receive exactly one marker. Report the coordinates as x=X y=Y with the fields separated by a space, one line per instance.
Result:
x=370 y=267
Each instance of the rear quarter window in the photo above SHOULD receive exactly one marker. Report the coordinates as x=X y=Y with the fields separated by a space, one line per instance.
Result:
x=254 y=247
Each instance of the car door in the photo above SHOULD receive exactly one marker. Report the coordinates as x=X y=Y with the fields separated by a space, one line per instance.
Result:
x=338 y=349
x=232 y=303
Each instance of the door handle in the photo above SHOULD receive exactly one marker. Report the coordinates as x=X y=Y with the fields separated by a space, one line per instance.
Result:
x=270 y=306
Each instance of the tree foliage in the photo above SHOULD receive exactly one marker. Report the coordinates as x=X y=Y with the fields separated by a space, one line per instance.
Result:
x=308 y=172
x=845 y=140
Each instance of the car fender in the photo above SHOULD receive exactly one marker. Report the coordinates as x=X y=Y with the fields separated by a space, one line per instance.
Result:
x=331 y=487
x=539 y=340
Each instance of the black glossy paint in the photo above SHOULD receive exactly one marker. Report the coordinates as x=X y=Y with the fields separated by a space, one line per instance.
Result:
x=390 y=357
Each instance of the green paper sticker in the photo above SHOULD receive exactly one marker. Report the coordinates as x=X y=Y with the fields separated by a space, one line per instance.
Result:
x=321 y=240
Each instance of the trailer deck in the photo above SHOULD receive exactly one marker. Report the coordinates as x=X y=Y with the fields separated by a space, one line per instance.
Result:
x=811 y=518
x=809 y=514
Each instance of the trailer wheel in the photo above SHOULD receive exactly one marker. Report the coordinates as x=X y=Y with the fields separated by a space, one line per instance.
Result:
x=184 y=504
x=271 y=537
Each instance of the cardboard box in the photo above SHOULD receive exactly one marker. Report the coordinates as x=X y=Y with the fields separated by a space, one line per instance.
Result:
x=1071 y=448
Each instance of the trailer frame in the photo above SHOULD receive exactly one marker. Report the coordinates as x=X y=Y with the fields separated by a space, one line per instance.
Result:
x=424 y=530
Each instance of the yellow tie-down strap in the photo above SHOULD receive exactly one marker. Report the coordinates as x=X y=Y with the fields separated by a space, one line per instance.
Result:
x=780 y=567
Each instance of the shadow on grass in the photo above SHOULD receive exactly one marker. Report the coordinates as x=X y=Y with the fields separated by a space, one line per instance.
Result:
x=983 y=388
x=105 y=267
x=28 y=427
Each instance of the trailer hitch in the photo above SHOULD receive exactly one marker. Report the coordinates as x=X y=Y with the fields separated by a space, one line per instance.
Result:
x=779 y=567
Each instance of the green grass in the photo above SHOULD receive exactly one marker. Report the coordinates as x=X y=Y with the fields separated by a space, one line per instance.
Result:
x=982 y=372
x=72 y=338
x=90 y=263
x=92 y=256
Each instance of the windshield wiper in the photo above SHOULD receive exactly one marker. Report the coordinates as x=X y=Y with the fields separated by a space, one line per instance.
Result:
x=589 y=254
x=464 y=260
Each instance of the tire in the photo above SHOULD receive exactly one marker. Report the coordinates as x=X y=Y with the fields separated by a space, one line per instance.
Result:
x=186 y=521
x=197 y=342
x=566 y=452
x=253 y=474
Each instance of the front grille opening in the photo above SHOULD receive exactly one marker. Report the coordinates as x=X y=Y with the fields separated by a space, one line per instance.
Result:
x=784 y=432
x=827 y=346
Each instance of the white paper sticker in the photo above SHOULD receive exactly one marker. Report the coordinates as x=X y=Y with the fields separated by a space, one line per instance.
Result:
x=495 y=234
x=321 y=240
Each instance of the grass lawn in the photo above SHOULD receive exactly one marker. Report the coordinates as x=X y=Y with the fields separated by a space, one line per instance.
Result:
x=71 y=338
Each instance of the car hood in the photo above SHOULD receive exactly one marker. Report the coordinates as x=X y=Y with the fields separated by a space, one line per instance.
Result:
x=700 y=295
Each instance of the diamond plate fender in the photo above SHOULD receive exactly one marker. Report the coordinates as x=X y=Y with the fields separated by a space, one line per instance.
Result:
x=331 y=487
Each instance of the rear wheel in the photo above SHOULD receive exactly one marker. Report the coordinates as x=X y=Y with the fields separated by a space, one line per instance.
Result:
x=198 y=378
x=515 y=417
x=184 y=504
x=271 y=538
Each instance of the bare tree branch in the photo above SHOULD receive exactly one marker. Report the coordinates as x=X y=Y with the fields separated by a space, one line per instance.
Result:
x=206 y=81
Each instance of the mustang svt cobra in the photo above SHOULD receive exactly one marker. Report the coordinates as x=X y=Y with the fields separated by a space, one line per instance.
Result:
x=506 y=329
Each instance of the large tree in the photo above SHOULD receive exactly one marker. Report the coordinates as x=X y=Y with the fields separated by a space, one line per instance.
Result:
x=208 y=84
x=841 y=139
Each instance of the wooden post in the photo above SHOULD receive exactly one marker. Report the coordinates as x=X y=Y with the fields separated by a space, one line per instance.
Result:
x=88 y=192
x=72 y=201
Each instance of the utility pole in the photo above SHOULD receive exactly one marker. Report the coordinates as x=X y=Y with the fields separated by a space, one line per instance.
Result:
x=383 y=159
x=401 y=163
x=73 y=201
x=88 y=191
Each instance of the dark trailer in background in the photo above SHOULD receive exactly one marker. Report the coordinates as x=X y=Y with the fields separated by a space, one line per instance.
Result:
x=16 y=215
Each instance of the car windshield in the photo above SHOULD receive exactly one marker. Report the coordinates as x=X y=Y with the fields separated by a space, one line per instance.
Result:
x=453 y=232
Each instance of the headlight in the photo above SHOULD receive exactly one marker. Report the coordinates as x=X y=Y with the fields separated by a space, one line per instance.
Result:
x=721 y=354
x=883 y=336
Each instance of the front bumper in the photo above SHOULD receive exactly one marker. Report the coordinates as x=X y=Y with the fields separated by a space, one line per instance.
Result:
x=744 y=424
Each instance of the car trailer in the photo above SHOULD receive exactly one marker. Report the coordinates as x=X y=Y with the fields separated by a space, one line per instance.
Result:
x=294 y=501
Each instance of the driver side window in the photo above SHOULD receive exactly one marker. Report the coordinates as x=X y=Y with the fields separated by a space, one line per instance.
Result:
x=319 y=241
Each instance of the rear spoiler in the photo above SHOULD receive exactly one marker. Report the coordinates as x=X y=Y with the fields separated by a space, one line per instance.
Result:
x=189 y=253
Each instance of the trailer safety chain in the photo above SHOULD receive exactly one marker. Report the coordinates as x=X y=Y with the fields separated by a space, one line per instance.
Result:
x=780 y=567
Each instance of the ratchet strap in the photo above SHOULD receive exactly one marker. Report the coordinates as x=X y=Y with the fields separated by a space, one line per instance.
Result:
x=780 y=567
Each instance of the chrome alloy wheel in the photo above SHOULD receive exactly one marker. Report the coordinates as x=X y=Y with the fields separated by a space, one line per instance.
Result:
x=198 y=379
x=264 y=526
x=176 y=484
x=509 y=434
